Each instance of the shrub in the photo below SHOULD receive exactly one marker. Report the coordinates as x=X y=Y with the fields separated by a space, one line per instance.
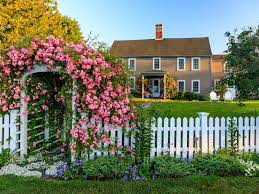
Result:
x=218 y=165
x=170 y=167
x=110 y=167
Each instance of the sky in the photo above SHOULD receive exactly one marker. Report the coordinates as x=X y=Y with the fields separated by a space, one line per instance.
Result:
x=136 y=19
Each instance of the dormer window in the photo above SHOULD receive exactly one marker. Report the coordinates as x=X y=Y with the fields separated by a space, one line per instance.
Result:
x=157 y=63
x=132 y=64
x=180 y=64
x=196 y=63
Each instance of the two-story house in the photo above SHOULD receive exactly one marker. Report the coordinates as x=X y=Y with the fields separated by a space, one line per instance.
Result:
x=188 y=60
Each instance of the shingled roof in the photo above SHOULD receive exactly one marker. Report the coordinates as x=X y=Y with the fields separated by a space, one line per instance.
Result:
x=165 y=47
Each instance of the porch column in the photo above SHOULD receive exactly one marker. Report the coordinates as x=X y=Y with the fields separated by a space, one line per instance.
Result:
x=143 y=86
x=164 y=86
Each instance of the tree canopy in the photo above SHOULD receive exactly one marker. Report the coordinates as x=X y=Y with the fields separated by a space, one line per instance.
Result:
x=21 y=20
x=242 y=61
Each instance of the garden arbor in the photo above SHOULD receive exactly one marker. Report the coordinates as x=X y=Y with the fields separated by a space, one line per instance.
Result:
x=99 y=84
x=24 y=106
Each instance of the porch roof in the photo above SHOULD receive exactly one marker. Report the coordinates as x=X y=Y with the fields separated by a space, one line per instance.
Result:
x=154 y=73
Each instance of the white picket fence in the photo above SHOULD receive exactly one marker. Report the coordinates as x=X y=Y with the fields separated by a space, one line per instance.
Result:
x=10 y=131
x=180 y=137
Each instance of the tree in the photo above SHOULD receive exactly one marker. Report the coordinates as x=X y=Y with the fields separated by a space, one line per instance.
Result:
x=242 y=61
x=21 y=20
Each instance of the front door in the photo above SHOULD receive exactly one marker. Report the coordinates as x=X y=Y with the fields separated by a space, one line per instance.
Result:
x=156 y=88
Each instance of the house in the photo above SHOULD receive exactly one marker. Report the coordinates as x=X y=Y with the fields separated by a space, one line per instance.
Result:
x=188 y=60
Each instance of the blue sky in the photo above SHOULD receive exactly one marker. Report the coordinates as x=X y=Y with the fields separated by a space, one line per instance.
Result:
x=135 y=19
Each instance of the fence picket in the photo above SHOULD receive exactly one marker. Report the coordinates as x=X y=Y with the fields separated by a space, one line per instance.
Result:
x=252 y=134
x=6 y=131
x=191 y=138
x=172 y=130
x=246 y=128
x=223 y=132
x=184 y=138
x=153 y=129
x=1 y=132
x=216 y=129
x=166 y=129
x=197 y=137
x=210 y=131
x=13 y=129
x=257 y=135
x=159 y=136
x=178 y=136
x=241 y=134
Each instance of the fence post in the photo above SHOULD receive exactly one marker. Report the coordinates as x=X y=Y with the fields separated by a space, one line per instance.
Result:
x=204 y=131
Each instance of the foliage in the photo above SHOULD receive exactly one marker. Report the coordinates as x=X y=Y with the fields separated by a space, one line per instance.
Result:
x=233 y=137
x=5 y=157
x=111 y=167
x=218 y=165
x=170 y=167
x=243 y=61
x=170 y=86
x=249 y=156
x=190 y=96
x=222 y=89
x=143 y=133
x=21 y=20
x=100 y=82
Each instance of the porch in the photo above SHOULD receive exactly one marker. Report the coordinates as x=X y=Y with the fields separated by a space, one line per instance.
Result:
x=153 y=84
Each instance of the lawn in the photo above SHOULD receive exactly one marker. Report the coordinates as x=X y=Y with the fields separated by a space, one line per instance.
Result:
x=12 y=184
x=169 y=108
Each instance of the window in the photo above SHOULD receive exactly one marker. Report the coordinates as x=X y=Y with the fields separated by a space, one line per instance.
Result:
x=181 y=85
x=156 y=63
x=216 y=84
x=196 y=86
x=196 y=63
x=132 y=64
x=132 y=83
x=180 y=64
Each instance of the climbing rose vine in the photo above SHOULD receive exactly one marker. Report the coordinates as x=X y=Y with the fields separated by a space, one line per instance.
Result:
x=101 y=87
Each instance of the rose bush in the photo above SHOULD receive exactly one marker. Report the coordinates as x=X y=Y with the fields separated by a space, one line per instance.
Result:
x=101 y=86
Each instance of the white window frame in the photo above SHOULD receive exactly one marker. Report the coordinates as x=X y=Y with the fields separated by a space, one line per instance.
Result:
x=154 y=58
x=183 y=85
x=215 y=84
x=193 y=63
x=134 y=78
x=135 y=63
x=178 y=64
x=199 y=86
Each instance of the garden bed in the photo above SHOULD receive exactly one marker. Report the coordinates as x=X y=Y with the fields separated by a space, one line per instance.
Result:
x=195 y=184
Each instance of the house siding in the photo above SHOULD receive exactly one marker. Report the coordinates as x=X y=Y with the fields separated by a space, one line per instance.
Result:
x=169 y=65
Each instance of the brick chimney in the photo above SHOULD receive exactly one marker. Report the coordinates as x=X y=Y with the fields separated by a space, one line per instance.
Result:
x=159 y=32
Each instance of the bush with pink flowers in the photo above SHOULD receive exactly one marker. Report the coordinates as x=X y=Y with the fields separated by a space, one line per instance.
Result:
x=100 y=81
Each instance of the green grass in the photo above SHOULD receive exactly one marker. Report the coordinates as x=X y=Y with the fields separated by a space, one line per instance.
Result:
x=12 y=184
x=167 y=108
